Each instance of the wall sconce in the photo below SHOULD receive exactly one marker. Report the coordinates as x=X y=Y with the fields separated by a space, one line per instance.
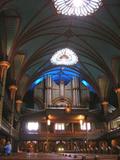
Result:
x=81 y=118
x=81 y=121
x=48 y=122
x=68 y=109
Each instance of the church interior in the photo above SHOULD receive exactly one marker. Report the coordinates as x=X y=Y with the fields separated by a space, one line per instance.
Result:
x=60 y=79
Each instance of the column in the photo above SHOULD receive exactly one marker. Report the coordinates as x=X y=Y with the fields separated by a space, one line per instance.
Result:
x=118 y=96
x=13 y=90
x=72 y=127
x=47 y=138
x=48 y=91
x=105 y=106
x=18 y=105
x=71 y=145
x=4 y=65
x=104 y=85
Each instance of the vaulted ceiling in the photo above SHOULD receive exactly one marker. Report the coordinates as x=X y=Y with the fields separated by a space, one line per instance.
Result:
x=31 y=31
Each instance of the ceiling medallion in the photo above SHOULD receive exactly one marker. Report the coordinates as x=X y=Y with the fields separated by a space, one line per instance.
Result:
x=64 y=57
x=77 y=7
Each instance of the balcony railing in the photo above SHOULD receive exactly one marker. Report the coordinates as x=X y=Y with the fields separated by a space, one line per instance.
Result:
x=92 y=135
x=6 y=127
x=113 y=133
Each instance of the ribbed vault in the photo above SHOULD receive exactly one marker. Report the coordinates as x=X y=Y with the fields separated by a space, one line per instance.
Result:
x=31 y=32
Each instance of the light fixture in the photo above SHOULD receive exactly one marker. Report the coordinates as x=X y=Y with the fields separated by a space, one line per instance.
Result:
x=81 y=122
x=81 y=117
x=32 y=126
x=48 y=122
x=68 y=109
x=60 y=149
x=86 y=126
x=64 y=57
x=77 y=7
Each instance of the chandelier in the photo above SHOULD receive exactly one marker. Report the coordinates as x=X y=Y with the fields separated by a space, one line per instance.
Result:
x=77 y=7
x=64 y=57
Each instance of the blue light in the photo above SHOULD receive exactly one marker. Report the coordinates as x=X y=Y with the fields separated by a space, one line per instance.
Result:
x=57 y=74
x=38 y=81
x=87 y=85
x=61 y=73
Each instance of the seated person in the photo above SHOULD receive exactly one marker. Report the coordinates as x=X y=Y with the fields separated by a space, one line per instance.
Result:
x=8 y=148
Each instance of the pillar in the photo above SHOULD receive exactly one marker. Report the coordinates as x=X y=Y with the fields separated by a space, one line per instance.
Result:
x=104 y=86
x=4 y=65
x=105 y=106
x=118 y=96
x=71 y=145
x=72 y=127
x=13 y=90
x=18 y=105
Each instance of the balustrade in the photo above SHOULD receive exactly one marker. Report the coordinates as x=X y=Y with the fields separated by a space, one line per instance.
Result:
x=76 y=134
x=6 y=127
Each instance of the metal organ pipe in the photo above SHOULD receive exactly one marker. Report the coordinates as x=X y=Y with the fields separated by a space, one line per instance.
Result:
x=62 y=89
x=48 y=91
x=75 y=91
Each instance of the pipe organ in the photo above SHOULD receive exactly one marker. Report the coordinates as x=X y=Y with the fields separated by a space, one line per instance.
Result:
x=57 y=93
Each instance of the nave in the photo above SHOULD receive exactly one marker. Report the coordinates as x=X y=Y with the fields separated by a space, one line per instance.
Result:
x=60 y=79
x=56 y=156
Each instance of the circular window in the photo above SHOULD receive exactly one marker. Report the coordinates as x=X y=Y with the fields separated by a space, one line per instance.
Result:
x=77 y=7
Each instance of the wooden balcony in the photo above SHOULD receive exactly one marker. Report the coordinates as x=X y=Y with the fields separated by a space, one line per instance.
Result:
x=113 y=133
x=6 y=128
x=113 y=115
x=89 y=135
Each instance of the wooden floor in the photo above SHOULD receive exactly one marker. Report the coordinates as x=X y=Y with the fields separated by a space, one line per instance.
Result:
x=35 y=156
x=54 y=156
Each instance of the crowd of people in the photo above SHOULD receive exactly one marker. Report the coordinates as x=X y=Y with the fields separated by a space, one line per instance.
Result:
x=5 y=147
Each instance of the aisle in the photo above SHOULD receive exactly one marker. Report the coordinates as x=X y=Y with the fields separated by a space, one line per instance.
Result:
x=35 y=156
x=55 y=156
